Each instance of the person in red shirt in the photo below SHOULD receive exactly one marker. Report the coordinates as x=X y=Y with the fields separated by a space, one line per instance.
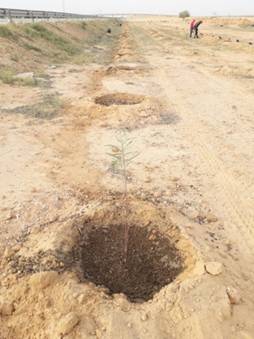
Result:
x=192 y=27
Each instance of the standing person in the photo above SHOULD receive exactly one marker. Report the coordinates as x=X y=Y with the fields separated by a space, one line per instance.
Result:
x=192 y=27
x=196 y=27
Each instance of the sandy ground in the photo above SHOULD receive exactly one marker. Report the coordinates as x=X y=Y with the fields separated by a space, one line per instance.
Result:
x=193 y=178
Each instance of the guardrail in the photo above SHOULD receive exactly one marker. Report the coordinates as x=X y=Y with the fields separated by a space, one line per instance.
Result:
x=10 y=13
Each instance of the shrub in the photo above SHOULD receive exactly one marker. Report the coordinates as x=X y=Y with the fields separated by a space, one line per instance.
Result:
x=184 y=14
x=7 y=76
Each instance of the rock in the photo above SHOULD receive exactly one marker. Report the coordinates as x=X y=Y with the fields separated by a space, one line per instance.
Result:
x=26 y=75
x=6 y=307
x=233 y=295
x=211 y=218
x=67 y=323
x=213 y=268
x=43 y=279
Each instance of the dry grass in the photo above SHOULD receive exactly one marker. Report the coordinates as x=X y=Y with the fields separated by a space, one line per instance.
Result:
x=7 y=76
x=48 y=108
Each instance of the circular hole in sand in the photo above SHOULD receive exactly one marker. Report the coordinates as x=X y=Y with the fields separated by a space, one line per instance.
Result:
x=152 y=260
x=119 y=99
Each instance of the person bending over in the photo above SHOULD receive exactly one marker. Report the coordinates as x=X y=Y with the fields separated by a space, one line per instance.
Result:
x=196 y=28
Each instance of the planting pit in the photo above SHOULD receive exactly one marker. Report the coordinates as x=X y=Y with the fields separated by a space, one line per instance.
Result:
x=152 y=262
x=119 y=99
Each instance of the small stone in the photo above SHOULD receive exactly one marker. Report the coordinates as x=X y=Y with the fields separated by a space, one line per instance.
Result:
x=144 y=316
x=213 y=268
x=6 y=307
x=67 y=323
x=233 y=295
x=211 y=218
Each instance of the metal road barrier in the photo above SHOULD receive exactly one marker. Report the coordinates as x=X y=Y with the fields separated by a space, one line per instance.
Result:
x=11 y=14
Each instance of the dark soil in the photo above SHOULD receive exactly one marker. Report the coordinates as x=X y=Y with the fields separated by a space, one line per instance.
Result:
x=119 y=99
x=152 y=261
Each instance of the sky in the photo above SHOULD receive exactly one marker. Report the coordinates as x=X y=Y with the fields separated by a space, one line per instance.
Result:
x=195 y=7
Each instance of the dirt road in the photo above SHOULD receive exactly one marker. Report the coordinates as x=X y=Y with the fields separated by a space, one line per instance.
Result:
x=187 y=106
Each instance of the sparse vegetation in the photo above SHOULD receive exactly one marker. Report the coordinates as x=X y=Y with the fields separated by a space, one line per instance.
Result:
x=40 y=31
x=31 y=47
x=5 y=32
x=47 y=108
x=8 y=76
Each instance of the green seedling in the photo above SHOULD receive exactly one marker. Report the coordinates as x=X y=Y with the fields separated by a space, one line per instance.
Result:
x=122 y=157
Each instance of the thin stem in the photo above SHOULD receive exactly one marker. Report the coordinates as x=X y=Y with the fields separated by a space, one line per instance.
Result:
x=124 y=169
x=126 y=226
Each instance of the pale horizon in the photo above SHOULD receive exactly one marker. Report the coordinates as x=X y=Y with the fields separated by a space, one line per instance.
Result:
x=160 y=7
